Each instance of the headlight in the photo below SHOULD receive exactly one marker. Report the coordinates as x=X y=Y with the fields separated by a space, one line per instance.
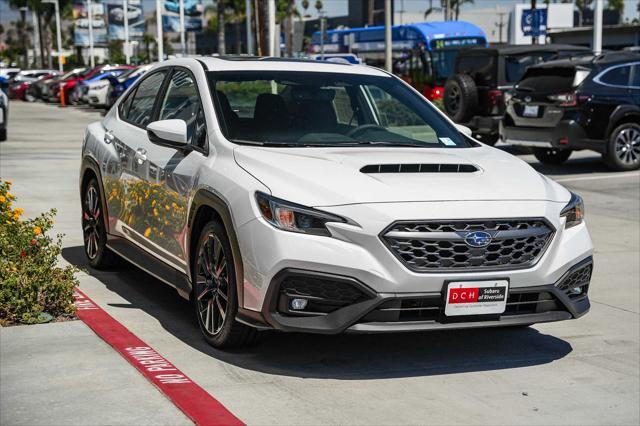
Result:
x=573 y=212
x=293 y=217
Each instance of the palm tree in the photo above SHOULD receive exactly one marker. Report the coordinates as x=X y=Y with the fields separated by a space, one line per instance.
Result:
x=305 y=6
x=319 y=6
x=455 y=5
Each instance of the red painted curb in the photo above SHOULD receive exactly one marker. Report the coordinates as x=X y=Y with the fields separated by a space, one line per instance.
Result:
x=194 y=401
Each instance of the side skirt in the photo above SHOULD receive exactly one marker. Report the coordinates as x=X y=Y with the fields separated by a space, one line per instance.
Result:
x=151 y=265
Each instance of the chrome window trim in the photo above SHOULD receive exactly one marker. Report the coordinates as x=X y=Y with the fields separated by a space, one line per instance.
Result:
x=598 y=78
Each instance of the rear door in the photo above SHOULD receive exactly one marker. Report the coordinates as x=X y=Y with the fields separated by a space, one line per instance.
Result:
x=611 y=87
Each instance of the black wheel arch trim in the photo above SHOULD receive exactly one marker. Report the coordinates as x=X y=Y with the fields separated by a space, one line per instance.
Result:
x=206 y=198
x=620 y=113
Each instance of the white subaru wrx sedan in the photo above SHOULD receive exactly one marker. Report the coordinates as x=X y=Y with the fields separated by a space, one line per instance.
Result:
x=324 y=198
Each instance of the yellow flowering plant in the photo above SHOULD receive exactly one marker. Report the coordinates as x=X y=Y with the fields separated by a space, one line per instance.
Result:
x=32 y=287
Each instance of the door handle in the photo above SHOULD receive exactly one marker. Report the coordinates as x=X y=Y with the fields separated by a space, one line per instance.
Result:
x=108 y=137
x=141 y=155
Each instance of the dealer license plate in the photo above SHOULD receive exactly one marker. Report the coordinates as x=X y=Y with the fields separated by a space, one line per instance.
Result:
x=476 y=297
x=530 y=111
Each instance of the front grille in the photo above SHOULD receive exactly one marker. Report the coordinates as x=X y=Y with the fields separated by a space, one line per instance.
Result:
x=433 y=246
x=432 y=308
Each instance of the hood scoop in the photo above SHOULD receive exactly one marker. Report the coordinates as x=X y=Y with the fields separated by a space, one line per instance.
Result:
x=419 y=168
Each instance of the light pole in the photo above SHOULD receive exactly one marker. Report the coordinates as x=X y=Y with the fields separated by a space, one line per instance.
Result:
x=183 y=45
x=56 y=6
x=271 y=9
x=36 y=39
x=159 y=41
x=597 y=27
x=90 y=16
x=388 y=41
x=127 y=51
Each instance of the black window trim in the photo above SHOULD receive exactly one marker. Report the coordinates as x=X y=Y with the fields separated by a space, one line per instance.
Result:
x=163 y=91
x=167 y=71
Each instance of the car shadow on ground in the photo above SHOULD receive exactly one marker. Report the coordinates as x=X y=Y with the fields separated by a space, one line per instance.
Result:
x=573 y=166
x=342 y=357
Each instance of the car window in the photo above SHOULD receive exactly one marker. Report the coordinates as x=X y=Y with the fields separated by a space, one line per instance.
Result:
x=618 y=76
x=397 y=117
x=289 y=108
x=182 y=102
x=141 y=108
x=635 y=76
x=479 y=67
x=516 y=65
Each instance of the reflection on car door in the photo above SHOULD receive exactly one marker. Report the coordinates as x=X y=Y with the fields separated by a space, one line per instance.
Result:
x=125 y=190
x=171 y=172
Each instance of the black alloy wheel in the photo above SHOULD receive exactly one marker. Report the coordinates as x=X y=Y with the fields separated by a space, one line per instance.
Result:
x=215 y=294
x=94 y=229
x=623 y=150
x=212 y=285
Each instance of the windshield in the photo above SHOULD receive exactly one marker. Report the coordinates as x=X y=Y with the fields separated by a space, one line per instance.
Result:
x=326 y=109
x=442 y=64
x=516 y=65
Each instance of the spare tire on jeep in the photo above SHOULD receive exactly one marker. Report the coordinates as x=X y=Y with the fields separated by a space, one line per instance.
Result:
x=460 y=98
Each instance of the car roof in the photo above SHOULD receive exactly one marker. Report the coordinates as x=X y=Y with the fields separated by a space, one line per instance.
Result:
x=592 y=61
x=266 y=63
x=524 y=49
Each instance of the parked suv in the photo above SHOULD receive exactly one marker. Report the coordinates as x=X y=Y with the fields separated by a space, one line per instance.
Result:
x=474 y=95
x=319 y=197
x=589 y=103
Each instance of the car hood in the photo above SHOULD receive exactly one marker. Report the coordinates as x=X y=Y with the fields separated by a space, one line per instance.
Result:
x=332 y=176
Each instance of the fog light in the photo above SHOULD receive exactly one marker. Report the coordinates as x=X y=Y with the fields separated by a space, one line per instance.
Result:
x=576 y=290
x=299 y=304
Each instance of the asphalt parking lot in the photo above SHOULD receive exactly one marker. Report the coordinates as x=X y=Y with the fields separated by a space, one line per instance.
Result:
x=585 y=371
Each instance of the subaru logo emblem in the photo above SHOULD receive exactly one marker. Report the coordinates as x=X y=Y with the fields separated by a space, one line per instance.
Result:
x=527 y=99
x=478 y=239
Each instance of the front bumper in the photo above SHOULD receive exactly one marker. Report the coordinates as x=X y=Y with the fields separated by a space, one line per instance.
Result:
x=568 y=134
x=358 y=256
x=379 y=312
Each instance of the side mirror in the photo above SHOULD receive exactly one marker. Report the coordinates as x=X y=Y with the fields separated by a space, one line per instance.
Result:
x=464 y=130
x=169 y=133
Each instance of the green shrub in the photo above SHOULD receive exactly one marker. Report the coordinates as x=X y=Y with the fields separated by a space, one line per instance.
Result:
x=31 y=283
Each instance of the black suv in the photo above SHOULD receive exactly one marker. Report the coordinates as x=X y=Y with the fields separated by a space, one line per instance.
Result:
x=588 y=103
x=474 y=95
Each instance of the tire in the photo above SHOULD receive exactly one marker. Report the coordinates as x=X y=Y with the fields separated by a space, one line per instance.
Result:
x=215 y=295
x=3 y=135
x=94 y=230
x=460 y=98
x=623 y=148
x=551 y=155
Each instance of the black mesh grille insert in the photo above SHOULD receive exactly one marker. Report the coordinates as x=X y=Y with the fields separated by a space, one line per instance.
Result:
x=578 y=278
x=432 y=246
x=322 y=288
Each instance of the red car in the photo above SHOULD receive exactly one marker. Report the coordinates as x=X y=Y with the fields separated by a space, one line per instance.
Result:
x=21 y=81
x=70 y=82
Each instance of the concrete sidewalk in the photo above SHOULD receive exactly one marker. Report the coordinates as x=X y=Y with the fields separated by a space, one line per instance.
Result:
x=62 y=373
